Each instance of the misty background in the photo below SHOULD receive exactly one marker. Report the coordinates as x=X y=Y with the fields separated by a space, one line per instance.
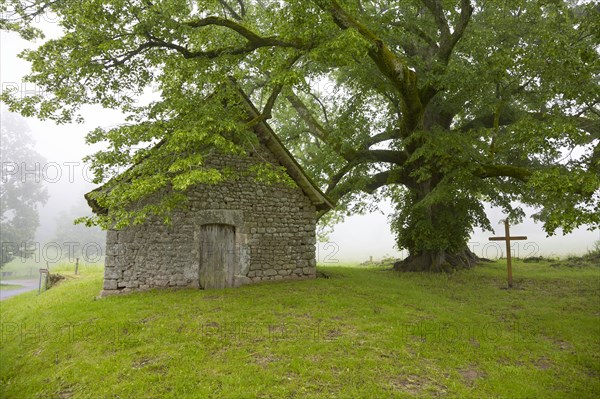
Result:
x=355 y=240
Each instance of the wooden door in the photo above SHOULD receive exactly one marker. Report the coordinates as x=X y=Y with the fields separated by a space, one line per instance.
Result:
x=217 y=256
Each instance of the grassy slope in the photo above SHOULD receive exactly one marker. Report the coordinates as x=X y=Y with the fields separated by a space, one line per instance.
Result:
x=362 y=333
x=29 y=269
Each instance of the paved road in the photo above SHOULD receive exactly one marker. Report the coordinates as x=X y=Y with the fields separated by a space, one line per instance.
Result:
x=27 y=285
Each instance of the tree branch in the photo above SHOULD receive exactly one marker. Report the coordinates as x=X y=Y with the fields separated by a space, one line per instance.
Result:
x=373 y=183
x=242 y=7
x=386 y=156
x=335 y=180
x=510 y=116
x=254 y=39
x=488 y=121
x=123 y=58
x=349 y=154
x=230 y=10
x=316 y=129
x=155 y=42
x=516 y=172
x=254 y=42
x=384 y=179
x=381 y=137
x=267 y=111
x=435 y=8
x=523 y=175
x=422 y=35
x=389 y=64
x=449 y=42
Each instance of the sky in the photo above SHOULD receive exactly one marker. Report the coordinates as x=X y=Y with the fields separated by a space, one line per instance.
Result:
x=357 y=239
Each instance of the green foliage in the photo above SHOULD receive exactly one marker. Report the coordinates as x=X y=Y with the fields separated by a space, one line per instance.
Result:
x=21 y=188
x=434 y=105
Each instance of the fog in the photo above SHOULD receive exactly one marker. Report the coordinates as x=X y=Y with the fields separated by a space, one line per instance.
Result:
x=356 y=239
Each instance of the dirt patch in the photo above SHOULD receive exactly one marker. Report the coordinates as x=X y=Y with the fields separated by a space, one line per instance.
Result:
x=416 y=385
x=471 y=375
x=66 y=394
x=504 y=361
x=315 y=358
x=141 y=363
x=159 y=368
x=333 y=334
x=543 y=363
x=411 y=383
x=153 y=365
x=146 y=320
x=264 y=360
x=564 y=345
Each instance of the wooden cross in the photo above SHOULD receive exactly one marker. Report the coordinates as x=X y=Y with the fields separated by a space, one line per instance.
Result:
x=508 y=238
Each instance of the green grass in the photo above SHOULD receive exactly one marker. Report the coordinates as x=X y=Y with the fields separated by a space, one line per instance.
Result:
x=362 y=333
x=29 y=268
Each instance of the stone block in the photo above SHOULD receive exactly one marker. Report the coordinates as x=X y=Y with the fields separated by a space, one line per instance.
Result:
x=111 y=273
x=110 y=284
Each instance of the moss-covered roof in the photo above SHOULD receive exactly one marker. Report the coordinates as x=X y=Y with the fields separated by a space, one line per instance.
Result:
x=269 y=139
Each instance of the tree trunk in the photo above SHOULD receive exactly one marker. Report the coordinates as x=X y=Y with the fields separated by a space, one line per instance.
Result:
x=435 y=235
x=438 y=261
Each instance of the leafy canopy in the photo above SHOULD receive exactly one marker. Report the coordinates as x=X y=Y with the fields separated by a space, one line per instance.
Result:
x=437 y=105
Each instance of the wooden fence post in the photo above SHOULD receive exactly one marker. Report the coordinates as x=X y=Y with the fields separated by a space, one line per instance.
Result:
x=46 y=272
x=40 y=283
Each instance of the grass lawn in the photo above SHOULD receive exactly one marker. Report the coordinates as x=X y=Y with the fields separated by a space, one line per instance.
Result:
x=20 y=269
x=362 y=333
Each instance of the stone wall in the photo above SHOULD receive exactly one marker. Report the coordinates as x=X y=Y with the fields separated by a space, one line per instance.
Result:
x=274 y=234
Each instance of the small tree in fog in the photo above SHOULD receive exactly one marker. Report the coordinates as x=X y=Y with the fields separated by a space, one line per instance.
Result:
x=21 y=188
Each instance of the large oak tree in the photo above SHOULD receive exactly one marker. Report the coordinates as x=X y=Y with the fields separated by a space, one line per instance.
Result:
x=436 y=105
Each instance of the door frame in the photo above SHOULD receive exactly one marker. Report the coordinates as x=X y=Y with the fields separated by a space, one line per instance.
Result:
x=232 y=218
x=223 y=273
